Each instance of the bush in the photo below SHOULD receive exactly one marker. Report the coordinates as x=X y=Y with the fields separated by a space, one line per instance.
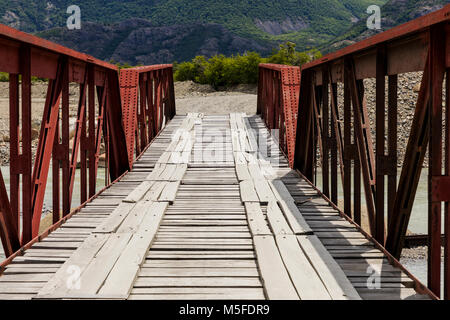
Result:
x=219 y=70
x=4 y=77
x=222 y=71
x=287 y=55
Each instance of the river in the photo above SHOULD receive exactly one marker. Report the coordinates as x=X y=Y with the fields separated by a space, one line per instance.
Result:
x=48 y=192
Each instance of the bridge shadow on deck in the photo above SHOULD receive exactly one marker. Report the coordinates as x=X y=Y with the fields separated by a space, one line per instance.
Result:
x=367 y=267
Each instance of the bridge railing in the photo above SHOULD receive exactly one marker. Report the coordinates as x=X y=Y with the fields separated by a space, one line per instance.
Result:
x=278 y=92
x=148 y=103
x=334 y=132
x=105 y=118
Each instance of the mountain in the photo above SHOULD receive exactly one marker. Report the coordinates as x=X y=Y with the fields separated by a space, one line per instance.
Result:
x=203 y=26
x=393 y=13
x=137 y=41
x=159 y=31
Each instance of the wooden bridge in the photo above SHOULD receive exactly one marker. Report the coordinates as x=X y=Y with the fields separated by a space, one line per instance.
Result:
x=221 y=206
x=201 y=216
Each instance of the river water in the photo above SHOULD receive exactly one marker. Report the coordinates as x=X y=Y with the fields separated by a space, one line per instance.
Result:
x=418 y=222
x=48 y=192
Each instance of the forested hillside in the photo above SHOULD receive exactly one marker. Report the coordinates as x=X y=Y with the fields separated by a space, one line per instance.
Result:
x=157 y=31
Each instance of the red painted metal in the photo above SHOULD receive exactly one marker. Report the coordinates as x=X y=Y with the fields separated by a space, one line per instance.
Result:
x=420 y=45
x=24 y=56
x=437 y=72
x=148 y=103
x=410 y=28
x=418 y=286
x=46 y=144
x=278 y=99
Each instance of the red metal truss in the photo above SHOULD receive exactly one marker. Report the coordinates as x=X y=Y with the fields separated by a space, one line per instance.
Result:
x=148 y=103
x=138 y=104
x=278 y=94
x=420 y=45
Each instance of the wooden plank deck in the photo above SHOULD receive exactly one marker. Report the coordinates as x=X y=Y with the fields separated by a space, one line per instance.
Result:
x=207 y=213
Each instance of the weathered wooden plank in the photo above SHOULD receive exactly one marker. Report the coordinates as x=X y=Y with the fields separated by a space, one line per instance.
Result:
x=170 y=192
x=157 y=170
x=57 y=286
x=256 y=221
x=252 y=282
x=133 y=220
x=120 y=281
x=201 y=263
x=138 y=193
x=248 y=192
x=263 y=190
x=199 y=296
x=242 y=172
x=276 y=220
x=239 y=158
x=293 y=216
x=307 y=282
x=179 y=172
x=237 y=292
x=277 y=284
x=168 y=172
x=112 y=223
x=155 y=191
x=98 y=269
x=334 y=278
x=255 y=172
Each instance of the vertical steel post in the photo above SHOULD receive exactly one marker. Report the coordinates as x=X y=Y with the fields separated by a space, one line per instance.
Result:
x=348 y=154
x=380 y=145
x=392 y=144
x=26 y=157
x=325 y=136
x=14 y=150
x=91 y=142
x=437 y=64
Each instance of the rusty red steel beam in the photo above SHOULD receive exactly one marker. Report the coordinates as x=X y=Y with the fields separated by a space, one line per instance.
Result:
x=23 y=55
x=363 y=140
x=420 y=45
x=337 y=139
x=41 y=46
x=437 y=72
x=304 y=146
x=447 y=204
x=418 y=285
x=145 y=113
x=410 y=28
x=21 y=249
x=28 y=56
x=44 y=152
x=411 y=170
x=278 y=99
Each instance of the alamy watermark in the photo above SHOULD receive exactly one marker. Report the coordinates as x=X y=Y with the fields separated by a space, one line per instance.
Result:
x=73 y=281
x=216 y=147
x=374 y=279
x=374 y=20
x=74 y=20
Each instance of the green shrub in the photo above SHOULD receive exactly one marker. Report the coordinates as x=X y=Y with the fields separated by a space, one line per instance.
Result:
x=222 y=71
x=4 y=77
x=191 y=70
x=288 y=55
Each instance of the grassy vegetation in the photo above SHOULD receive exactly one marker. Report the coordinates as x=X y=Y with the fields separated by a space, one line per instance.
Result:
x=220 y=70
x=4 y=77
